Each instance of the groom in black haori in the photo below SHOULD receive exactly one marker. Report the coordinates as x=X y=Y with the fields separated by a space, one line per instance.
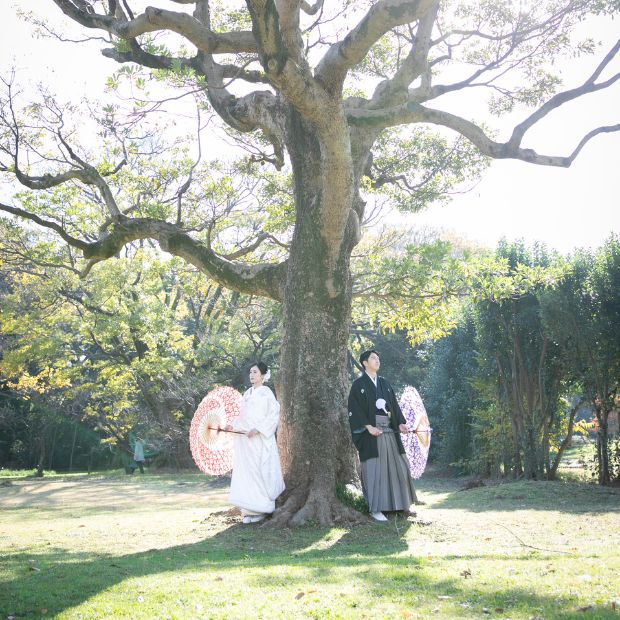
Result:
x=376 y=423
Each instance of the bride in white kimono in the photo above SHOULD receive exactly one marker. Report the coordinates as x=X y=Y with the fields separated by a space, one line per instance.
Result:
x=257 y=476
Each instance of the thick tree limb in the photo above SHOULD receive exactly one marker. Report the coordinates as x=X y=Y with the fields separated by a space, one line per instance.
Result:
x=415 y=113
x=311 y=9
x=50 y=180
x=412 y=67
x=156 y=61
x=159 y=19
x=152 y=61
x=295 y=81
x=261 y=279
x=288 y=13
x=382 y=17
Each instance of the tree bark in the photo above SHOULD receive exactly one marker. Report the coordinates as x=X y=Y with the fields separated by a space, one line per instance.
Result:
x=75 y=428
x=602 y=446
x=565 y=442
x=314 y=437
x=41 y=460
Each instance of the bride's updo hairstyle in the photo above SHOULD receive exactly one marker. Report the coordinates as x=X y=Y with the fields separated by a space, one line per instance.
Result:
x=262 y=367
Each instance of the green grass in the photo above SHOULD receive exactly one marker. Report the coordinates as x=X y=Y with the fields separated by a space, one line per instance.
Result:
x=162 y=547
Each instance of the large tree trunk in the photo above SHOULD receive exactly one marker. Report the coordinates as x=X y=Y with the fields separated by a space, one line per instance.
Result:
x=314 y=435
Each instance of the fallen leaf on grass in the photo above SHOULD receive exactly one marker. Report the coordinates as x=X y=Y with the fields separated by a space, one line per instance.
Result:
x=299 y=595
x=405 y=613
x=219 y=579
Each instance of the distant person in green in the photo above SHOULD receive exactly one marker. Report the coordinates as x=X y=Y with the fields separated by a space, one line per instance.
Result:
x=138 y=456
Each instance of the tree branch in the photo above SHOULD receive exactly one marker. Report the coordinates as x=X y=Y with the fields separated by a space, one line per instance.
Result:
x=266 y=279
x=589 y=86
x=412 y=67
x=414 y=112
x=72 y=241
x=294 y=79
x=159 y=19
x=313 y=9
x=152 y=61
x=248 y=249
x=381 y=18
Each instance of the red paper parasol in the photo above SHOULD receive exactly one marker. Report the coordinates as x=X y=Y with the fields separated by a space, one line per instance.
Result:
x=212 y=449
x=417 y=443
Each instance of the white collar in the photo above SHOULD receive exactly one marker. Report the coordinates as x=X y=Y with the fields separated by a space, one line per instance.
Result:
x=373 y=380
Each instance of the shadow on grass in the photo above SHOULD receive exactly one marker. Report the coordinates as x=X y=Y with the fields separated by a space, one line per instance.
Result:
x=561 y=496
x=372 y=556
x=88 y=496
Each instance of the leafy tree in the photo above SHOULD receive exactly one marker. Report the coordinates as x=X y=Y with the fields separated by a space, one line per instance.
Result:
x=513 y=343
x=333 y=81
x=583 y=315
x=134 y=346
x=450 y=395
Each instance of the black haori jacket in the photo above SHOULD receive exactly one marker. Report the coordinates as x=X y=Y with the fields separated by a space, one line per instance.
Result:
x=363 y=410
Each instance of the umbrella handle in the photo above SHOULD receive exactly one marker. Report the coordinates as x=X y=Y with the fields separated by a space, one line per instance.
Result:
x=223 y=430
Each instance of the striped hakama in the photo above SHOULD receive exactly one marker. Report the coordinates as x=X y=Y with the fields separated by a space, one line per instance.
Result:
x=386 y=480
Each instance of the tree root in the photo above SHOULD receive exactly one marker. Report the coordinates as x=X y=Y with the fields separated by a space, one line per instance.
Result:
x=315 y=508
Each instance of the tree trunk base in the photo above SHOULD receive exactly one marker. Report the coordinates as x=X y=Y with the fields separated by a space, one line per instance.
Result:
x=314 y=508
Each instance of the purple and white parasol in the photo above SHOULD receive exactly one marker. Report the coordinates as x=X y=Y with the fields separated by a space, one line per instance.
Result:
x=417 y=442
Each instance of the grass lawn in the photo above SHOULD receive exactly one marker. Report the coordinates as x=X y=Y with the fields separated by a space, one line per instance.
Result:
x=162 y=546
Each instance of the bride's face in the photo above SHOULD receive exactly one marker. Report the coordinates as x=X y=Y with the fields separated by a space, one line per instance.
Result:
x=255 y=377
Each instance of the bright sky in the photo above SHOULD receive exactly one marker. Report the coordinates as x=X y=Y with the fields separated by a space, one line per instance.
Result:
x=565 y=208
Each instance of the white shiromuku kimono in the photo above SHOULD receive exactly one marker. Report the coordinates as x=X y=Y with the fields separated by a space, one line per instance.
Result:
x=257 y=475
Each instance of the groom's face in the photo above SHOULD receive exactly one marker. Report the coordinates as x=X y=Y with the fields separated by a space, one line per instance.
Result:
x=373 y=362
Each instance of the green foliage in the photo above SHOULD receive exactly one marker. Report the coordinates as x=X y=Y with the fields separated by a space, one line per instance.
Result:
x=449 y=396
x=418 y=167
x=352 y=497
x=405 y=286
x=541 y=340
x=138 y=343
x=583 y=315
x=528 y=38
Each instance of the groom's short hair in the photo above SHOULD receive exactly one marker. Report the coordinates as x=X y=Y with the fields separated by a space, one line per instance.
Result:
x=365 y=355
